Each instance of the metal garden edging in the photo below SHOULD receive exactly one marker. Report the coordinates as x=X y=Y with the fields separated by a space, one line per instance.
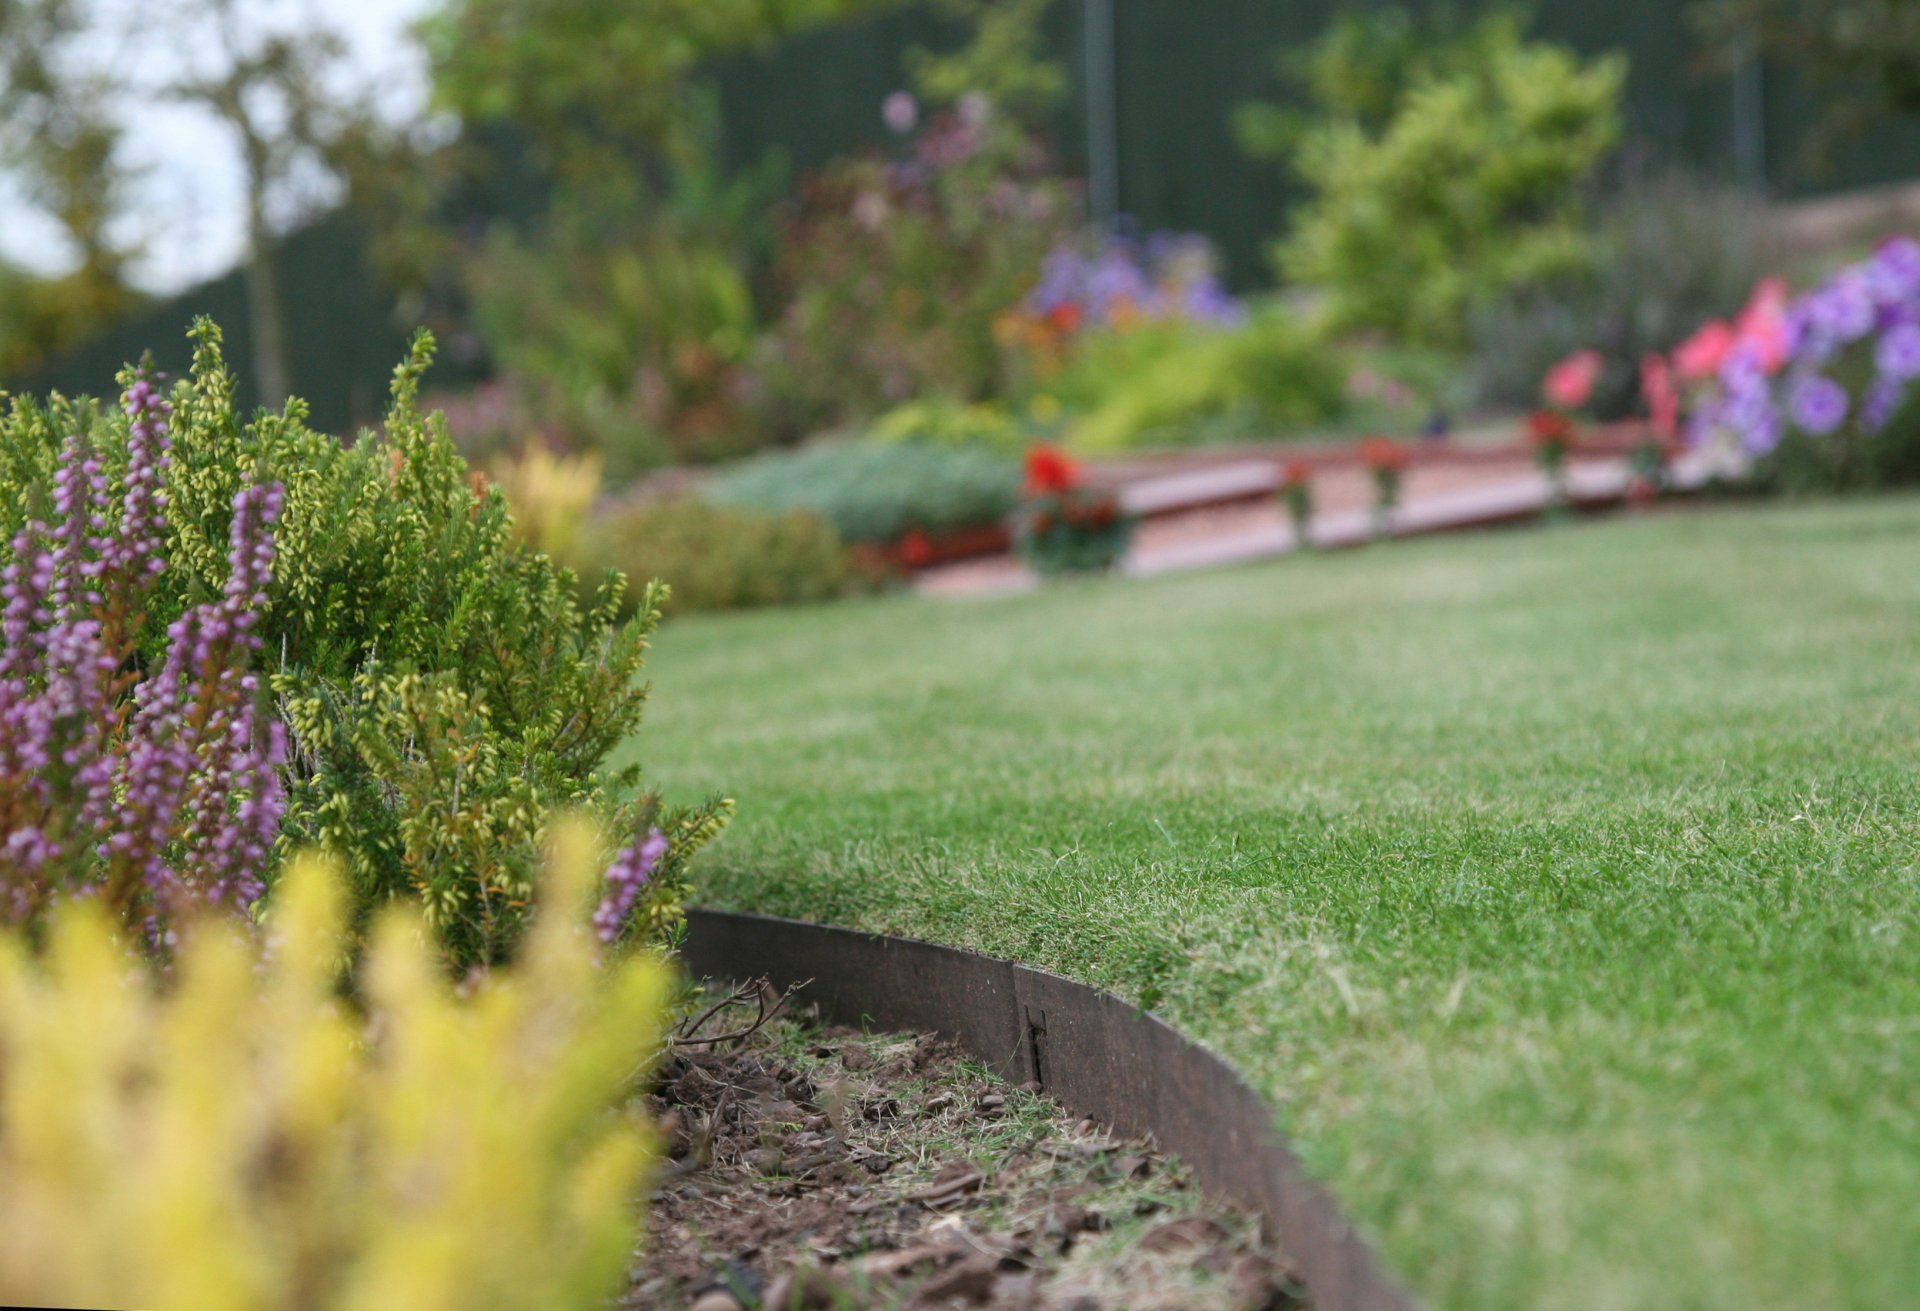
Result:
x=1093 y=1052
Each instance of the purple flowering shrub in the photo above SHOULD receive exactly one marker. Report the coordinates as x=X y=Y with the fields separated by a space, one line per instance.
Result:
x=1828 y=401
x=347 y=648
x=895 y=269
x=150 y=785
x=1119 y=281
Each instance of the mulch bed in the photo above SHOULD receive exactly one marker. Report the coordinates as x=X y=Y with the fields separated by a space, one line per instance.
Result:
x=812 y=1167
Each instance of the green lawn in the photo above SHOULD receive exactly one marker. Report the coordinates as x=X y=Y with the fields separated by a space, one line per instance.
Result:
x=1559 y=886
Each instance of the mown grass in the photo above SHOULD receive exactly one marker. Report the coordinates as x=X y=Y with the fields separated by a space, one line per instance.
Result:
x=1559 y=886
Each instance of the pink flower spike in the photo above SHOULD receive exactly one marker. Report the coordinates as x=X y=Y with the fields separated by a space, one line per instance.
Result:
x=1663 y=400
x=1569 y=384
x=1701 y=355
x=1762 y=325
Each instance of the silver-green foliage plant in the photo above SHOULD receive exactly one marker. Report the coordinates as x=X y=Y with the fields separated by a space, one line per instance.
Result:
x=445 y=689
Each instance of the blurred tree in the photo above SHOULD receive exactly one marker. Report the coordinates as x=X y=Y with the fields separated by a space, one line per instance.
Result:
x=60 y=143
x=1005 y=61
x=613 y=287
x=1863 y=55
x=595 y=85
x=282 y=92
x=275 y=79
x=1448 y=166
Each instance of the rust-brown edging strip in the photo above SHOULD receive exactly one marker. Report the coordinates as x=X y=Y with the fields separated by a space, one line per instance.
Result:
x=1093 y=1052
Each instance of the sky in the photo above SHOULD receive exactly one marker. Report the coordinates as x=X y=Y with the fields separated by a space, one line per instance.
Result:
x=188 y=194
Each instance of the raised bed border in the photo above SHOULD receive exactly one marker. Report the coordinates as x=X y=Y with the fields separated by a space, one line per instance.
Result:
x=1097 y=1055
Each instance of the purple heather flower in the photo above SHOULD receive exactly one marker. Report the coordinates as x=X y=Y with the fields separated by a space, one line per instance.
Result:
x=175 y=789
x=1819 y=404
x=630 y=872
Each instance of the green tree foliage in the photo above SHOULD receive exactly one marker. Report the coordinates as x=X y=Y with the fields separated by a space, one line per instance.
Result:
x=1004 y=60
x=446 y=690
x=1444 y=171
x=592 y=83
x=619 y=303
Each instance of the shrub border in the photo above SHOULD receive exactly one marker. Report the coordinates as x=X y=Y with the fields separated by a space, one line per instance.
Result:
x=1096 y=1054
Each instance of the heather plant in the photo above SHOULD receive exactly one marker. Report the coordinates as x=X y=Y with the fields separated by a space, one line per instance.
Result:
x=444 y=686
x=143 y=783
x=241 y=1136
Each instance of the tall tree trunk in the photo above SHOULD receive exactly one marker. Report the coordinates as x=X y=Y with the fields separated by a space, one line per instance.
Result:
x=263 y=304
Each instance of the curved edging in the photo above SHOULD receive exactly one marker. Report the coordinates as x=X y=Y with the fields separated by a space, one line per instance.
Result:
x=1093 y=1052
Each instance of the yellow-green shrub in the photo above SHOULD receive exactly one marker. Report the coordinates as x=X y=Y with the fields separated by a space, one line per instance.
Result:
x=241 y=1137
x=1270 y=377
x=716 y=557
x=550 y=496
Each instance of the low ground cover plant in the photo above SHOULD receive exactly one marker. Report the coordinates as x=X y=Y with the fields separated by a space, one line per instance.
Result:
x=878 y=492
x=242 y=1136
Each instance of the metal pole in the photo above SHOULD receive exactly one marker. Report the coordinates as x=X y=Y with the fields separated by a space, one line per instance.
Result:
x=1750 y=121
x=1103 y=126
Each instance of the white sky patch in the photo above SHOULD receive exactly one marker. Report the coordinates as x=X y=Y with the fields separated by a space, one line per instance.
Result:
x=186 y=196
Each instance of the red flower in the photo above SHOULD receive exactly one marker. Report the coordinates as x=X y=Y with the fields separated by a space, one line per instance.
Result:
x=1549 y=428
x=1384 y=455
x=1569 y=384
x=1049 y=473
x=916 y=549
x=1064 y=318
x=1295 y=472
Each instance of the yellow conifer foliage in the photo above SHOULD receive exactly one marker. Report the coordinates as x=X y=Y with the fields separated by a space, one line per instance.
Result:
x=239 y=1136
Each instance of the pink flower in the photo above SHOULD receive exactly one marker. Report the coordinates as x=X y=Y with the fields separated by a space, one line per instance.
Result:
x=1569 y=384
x=901 y=113
x=1663 y=400
x=1762 y=325
x=1701 y=355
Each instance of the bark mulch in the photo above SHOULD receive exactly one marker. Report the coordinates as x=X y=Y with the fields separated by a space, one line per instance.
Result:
x=825 y=1168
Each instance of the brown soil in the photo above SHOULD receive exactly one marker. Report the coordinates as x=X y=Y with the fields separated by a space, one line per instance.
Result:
x=824 y=1168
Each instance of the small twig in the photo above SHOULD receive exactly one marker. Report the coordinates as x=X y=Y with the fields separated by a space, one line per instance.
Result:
x=766 y=1016
x=743 y=993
